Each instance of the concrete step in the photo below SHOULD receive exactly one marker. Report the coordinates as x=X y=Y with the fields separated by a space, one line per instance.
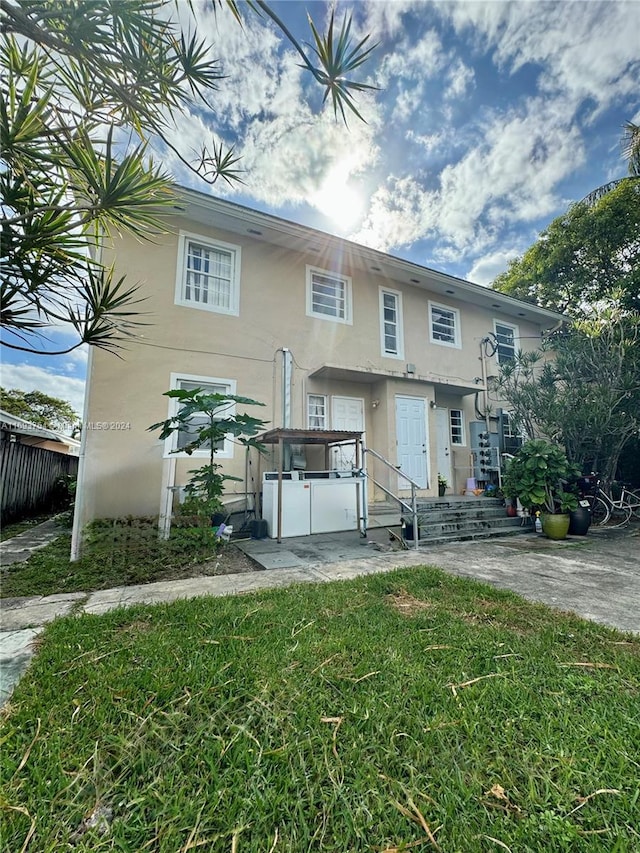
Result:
x=442 y=514
x=449 y=520
x=469 y=514
x=429 y=530
x=463 y=536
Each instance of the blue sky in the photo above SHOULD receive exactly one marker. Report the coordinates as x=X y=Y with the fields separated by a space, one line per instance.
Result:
x=490 y=119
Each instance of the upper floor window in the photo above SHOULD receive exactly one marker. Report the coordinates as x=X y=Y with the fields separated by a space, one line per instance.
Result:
x=210 y=385
x=456 y=420
x=444 y=325
x=506 y=337
x=328 y=295
x=317 y=411
x=391 y=323
x=208 y=274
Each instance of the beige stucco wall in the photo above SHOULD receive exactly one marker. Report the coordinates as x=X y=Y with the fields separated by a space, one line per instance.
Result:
x=125 y=462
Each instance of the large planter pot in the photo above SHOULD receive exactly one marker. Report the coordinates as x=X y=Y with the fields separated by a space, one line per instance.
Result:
x=555 y=526
x=441 y=491
x=579 y=521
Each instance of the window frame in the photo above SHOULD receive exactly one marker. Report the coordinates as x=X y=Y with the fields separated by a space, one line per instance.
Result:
x=348 y=307
x=517 y=437
x=325 y=410
x=463 y=437
x=457 y=331
x=397 y=295
x=184 y=239
x=171 y=443
x=516 y=337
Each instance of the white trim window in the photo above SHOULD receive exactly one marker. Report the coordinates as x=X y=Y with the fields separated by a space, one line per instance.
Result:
x=512 y=438
x=391 y=337
x=211 y=385
x=328 y=295
x=506 y=341
x=316 y=411
x=208 y=275
x=456 y=422
x=444 y=325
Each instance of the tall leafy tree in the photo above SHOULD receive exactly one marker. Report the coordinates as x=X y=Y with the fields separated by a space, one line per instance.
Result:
x=585 y=264
x=587 y=397
x=585 y=259
x=38 y=408
x=78 y=75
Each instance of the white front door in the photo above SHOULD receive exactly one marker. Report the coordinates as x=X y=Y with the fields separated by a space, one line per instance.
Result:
x=411 y=440
x=346 y=413
x=443 y=439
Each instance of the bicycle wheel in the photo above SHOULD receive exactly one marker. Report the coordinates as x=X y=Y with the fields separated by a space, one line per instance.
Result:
x=619 y=515
x=599 y=511
x=633 y=499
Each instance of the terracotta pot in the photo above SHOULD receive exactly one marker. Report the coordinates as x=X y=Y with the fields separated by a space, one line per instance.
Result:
x=555 y=526
x=512 y=512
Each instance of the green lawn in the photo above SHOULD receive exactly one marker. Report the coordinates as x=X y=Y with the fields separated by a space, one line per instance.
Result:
x=401 y=711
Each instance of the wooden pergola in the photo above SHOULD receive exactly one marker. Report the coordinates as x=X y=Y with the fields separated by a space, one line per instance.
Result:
x=325 y=437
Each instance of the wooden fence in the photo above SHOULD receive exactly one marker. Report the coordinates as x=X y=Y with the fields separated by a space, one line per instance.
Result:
x=29 y=477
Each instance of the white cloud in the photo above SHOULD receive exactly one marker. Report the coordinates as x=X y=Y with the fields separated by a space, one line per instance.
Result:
x=264 y=108
x=585 y=50
x=485 y=269
x=462 y=184
x=413 y=60
x=386 y=19
x=399 y=214
x=508 y=177
x=460 y=78
x=29 y=377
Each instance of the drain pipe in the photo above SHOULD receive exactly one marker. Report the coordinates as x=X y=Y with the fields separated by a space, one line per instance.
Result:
x=483 y=366
x=286 y=387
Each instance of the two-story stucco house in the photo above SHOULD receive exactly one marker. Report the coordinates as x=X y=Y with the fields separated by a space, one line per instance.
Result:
x=368 y=342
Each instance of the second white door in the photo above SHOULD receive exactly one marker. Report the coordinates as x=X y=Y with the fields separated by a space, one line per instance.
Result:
x=443 y=438
x=346 y=413
x=411 y=440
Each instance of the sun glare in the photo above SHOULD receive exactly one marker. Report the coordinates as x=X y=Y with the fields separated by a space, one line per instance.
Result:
x=340 y=202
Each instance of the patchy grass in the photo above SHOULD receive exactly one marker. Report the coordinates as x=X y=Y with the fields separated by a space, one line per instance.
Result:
x=392 y=712
x=117 y=553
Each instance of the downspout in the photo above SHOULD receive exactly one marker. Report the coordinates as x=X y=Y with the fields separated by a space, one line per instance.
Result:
x=555 y=328
x=483 y=366
x=286 y=388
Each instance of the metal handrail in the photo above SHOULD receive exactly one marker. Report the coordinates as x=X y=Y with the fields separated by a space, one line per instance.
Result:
x=413 y=509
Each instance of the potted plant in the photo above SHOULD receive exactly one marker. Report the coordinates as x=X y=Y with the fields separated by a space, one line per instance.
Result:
x=442 y=485
x=537 y=475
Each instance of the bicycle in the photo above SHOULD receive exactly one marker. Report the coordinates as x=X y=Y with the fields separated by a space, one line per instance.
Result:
x=604 y=507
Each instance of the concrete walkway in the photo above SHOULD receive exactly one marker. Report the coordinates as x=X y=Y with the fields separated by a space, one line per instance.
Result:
x=21 y=547
x=597 y=577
